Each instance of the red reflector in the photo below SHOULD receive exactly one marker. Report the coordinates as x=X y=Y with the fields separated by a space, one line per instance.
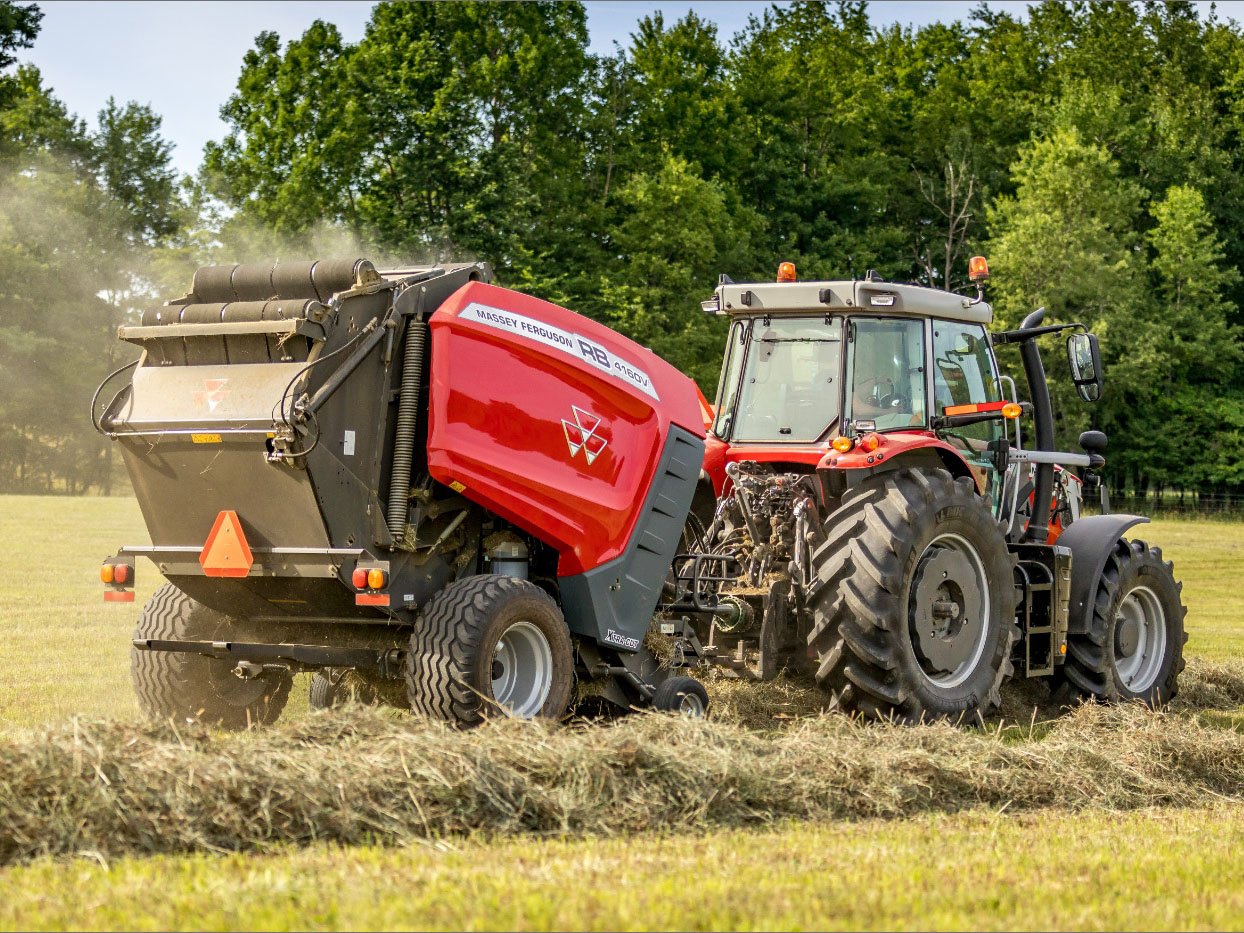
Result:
x=371 y=599
x=226 y=553
x=359 y=578
x=118 y=596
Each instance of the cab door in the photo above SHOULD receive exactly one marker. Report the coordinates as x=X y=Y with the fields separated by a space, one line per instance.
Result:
x=965 y=372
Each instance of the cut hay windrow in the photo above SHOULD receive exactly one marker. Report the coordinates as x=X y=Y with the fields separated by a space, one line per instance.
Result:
x=359 y=776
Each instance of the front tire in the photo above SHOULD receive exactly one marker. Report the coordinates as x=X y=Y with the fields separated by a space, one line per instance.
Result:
x=913 y=600
x=490 y=645
x=1134 y=649
x=179 y=685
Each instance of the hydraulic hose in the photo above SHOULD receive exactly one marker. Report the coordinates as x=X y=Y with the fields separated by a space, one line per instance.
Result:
x=1043 y=418
x=407 y=421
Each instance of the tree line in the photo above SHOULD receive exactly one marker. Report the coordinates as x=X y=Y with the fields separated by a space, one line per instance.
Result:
x=1092 y=151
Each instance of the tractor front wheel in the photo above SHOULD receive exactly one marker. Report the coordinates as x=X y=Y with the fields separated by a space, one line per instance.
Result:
x=1134 y=649
x=490 y=645
x=913 y=600
x=180 y=685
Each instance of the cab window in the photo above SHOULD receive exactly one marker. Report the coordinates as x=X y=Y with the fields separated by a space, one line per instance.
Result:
x=728 y=388
x=964 y=373
x=886 y=372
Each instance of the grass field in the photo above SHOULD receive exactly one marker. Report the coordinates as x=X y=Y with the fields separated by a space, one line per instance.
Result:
x=65 y=653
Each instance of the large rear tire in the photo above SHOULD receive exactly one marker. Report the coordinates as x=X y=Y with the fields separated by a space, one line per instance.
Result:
x=1134 y=649
x=177 y=685
x=913 y=600
x=490 y=645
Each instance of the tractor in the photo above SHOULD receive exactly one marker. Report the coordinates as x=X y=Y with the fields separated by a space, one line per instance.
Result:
x=869 y=510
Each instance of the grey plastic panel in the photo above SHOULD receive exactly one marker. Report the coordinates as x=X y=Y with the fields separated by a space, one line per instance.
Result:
x=614 y=602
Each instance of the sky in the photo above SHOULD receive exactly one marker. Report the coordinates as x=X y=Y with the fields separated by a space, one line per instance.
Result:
x=183 y=58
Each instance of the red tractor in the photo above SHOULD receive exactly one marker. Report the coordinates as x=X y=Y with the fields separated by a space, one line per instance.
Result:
x=867 y=506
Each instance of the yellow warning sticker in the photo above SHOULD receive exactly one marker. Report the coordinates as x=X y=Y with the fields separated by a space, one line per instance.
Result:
x=205 y=438
x=457 y=486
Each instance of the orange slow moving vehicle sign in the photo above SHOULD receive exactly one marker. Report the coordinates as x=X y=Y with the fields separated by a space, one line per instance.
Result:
x=226 y=553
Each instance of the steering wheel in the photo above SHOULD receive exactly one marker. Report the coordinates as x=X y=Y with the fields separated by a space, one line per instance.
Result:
x=876 y=398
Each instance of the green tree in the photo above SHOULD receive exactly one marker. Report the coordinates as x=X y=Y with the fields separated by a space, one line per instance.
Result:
x=679 y=232
x=291 y=158
x=135 y=167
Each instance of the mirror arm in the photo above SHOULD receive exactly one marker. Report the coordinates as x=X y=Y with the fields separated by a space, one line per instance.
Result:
x=1028 y=333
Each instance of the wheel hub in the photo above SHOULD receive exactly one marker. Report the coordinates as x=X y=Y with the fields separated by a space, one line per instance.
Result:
x=948 y=609
x=1139 y=639
x=522 y=670
x=1126 y=638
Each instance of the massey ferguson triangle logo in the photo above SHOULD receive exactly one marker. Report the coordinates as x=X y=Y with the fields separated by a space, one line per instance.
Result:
x=213 y=394
x=581 y=434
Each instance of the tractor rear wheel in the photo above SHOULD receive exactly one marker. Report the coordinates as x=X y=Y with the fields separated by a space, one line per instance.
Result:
x=913 y=600
x=1134 y=649
x=174 y=684
x=490 y=645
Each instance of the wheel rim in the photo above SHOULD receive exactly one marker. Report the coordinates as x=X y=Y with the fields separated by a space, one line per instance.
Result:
x=1139 y=639
x=522 y=670
x=949 y=610
x=691 y=706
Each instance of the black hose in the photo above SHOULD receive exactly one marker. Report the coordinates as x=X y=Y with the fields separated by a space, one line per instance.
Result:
x=1043 y=419
x=407 y=421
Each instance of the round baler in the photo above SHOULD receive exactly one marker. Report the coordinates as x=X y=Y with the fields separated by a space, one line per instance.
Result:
x=411 y=482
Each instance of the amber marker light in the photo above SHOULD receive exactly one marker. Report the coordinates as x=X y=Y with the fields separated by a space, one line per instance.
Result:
x=843 y=444
x=978 y=269
x=1012 y=411
x=106 y=573
x=377 y=578
x=786 y=272
x=870 y=442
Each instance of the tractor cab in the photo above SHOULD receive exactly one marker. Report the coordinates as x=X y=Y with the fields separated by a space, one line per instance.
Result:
x=845 y=373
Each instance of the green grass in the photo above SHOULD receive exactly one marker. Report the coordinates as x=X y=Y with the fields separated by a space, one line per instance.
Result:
x=65 y=652
x=1149 y=870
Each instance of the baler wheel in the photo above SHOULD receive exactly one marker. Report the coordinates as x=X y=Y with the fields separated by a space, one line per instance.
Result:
x=490 y=645
x=913 y=600
x=324 y=694
x=1134 y=649
x=684 y=695
x=178 y=685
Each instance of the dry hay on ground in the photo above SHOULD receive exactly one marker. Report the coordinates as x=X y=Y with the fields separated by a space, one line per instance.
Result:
x=359 y=776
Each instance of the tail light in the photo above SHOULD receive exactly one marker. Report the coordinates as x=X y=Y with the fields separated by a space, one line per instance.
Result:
x=370 y=583
x=118 y=575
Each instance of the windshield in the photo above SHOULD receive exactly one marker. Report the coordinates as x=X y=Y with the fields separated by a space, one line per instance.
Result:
x=789 y=386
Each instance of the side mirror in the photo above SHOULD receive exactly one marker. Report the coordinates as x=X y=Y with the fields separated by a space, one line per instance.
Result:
x=1084 y=357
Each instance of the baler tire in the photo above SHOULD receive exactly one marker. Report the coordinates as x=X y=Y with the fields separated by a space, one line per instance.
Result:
x=351 y=687
x=1135 y=577
x=868 y=570
x=684 y=695
x=184 y=686
x=453 y=652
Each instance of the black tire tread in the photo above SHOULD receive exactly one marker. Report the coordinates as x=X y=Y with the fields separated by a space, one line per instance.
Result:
x=173 y=684
x=1088 y=669
x=857 y=594
x=446 y=640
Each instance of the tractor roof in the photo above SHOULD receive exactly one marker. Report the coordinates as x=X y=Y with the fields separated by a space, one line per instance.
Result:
x=868 y=295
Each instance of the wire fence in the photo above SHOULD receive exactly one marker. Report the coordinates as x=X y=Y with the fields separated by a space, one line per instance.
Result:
x=1225 y=505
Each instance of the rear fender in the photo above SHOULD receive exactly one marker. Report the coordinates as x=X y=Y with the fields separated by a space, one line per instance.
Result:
x=899 y=451
x=1091 y=540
